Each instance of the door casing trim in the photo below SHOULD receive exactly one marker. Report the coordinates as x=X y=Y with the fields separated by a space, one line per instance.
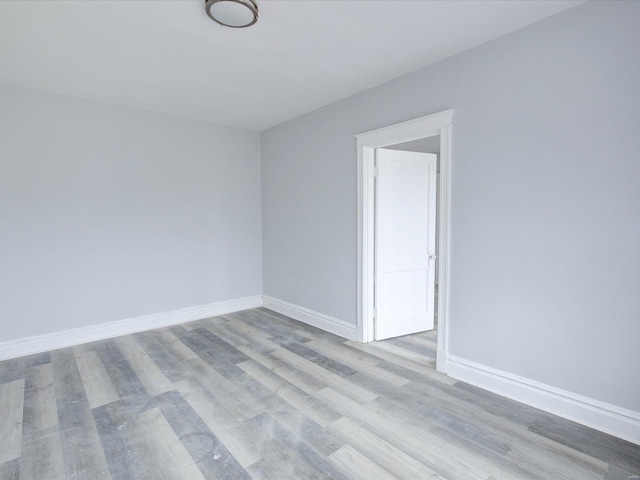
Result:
x=440 y=123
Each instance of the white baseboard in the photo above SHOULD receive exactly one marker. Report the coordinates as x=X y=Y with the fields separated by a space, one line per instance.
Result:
x=92 y=333
x=310 y=317
x=602 y=416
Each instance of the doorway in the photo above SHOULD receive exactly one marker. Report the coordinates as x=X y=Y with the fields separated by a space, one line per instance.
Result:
x=405 y=239
x=421 y=129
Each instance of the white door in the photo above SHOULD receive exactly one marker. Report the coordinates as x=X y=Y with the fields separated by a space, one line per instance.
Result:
x=405 y=242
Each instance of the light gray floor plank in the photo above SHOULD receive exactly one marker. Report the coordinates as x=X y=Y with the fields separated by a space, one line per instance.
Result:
x=248 y=332
x=165 y=456
x=11 y=406
x=10 y=470
x=422 y=356
x=121 y=442
x=596 y=444
x=206 y=350
x=616 y=473
x=41 y=455
x=254 y=394
x=470 y=444
x=154 y=381
x=389 y=457
x=152 y=345
x=229 y=336
x=285 y=457
x=41 y=449
x=421 y=368
x=179 y=350
x=328 y=378
x=425 y=347
x=82 y=452
x=305 y=403
x=355 y=465
x=216 y=384
x=95 y=379
x=305 y=381
x=210 y=455
x=215 y=344
x=270 y=325
x=346 y=356
x=314 y=357
x=420 y=444
x=122 y=376
x=219 y=420
x=539 y=454
x=12 y=370
x=39 y=399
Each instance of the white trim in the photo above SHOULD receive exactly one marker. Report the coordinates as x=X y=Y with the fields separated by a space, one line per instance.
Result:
x=311 y=317
x=367 y=142
x=602 y=416
x=444 y=248
x=414 y=129
x=92 y=333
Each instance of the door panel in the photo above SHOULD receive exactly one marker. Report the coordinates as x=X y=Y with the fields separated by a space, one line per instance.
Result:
x=405 y=239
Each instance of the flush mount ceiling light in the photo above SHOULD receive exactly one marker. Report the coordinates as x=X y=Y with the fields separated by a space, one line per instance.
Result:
x=232 y=13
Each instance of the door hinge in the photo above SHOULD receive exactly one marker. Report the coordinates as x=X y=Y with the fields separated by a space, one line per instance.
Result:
x=375 y=313
x=375 y=170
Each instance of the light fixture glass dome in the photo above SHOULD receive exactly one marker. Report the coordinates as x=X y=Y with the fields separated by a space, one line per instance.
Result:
x=233 y=13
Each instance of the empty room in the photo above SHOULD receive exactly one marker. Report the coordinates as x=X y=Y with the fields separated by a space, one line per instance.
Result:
x=320 y=239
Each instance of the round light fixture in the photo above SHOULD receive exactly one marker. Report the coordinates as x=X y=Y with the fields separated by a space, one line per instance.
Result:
x=232 y=13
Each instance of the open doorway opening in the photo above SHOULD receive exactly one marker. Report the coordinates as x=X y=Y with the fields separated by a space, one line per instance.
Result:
x=432 y=133
x=429 y=145
x=406 y=248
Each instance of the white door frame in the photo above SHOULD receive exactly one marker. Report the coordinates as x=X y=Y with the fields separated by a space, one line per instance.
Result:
x=429 y=126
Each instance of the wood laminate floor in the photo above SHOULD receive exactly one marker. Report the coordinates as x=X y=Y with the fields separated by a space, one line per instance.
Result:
x=257 y=395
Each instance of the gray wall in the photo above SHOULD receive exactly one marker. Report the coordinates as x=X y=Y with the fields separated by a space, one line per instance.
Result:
x=109 y=213
x=546 y=199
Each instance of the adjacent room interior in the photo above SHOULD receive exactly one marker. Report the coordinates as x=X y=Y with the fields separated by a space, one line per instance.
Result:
x=355 y=239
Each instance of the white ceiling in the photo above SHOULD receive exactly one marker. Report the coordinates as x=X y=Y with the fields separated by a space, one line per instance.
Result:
x=168 y=56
